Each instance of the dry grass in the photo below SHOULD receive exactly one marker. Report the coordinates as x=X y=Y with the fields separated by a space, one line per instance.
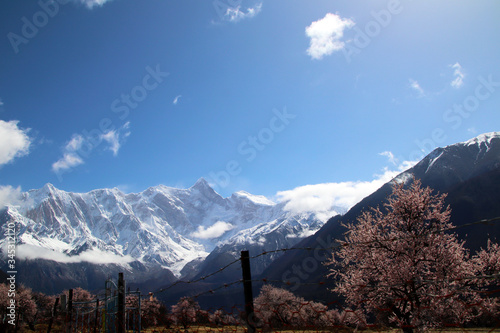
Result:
x=241 y=329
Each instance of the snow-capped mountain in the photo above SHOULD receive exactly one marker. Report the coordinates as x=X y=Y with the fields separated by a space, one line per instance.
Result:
x=78 y=239
x=159 y=227
x=460 y=161
x=468 y=172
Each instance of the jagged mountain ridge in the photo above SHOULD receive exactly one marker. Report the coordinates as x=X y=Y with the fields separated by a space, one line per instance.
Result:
x=161 y=227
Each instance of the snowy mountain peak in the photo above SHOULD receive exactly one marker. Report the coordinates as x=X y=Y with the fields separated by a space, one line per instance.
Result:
x=43 y=193
x=48 y=188
x=204 y=189
x=483 y=138
x=462 y=160
x=201 y=184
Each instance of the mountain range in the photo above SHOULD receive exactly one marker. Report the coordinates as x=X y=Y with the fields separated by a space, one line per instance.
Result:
x=164 y=234
x=162 y=231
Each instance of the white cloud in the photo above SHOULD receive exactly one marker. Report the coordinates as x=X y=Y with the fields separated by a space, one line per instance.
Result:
x=214 y=231
x=91 y=3
x=235 y=14
x=71 y=158
x=115 y=138
x=327 y=199
x=459 y=74
x=176 y=99
x=75 y=143
x=9 y=195
x=14 y=141
x=326 y=35
x=1 y=102
x=119 y=138
x=68 y=161
x=27 y=251
x=390 y=156
x=416 y=86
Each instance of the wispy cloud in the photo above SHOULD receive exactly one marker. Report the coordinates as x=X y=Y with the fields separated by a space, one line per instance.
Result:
x=326 y=35
x=92 y=3
x=390 y=156
x=73 y=149
x=14 y=141
x=9 y=195
x=472 y=130
x=176 y=99
x=330 y=199
x=214 y=231
x=115 y=138
x=1 y=102
x=416 y=86
x=70 y=157
x=459 y=75
x=75 y=143
x=27 y=251
x=68 y=161
x=236 y=14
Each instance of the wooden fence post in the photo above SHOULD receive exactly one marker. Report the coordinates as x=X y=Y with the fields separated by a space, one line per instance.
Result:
x=96 y=320
x=247 y=288
x=70 y=311
x=121 y=304
x=54 y=313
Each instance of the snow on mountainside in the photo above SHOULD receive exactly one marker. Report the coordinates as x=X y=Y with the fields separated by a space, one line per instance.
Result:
x=467 y=172
x=161 y=226
x=461 y=161
x=483 y=139
x=441 y=168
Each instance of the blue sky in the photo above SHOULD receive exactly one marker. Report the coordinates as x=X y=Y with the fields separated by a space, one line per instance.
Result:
x=314 y=98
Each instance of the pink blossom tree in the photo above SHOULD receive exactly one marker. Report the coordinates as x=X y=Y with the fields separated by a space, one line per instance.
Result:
x=45 y=306
x=278 y=308
x=152 y=310
x=185 y=312
x=80 y=295
x=25 y=306
x=487 y=263
x=222 y=318
x=403 y=265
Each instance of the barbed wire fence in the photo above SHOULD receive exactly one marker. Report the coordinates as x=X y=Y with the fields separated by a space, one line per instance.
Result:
x=296 y=313
x=281 y=310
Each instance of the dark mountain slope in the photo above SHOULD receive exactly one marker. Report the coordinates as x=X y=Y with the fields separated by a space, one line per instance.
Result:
x=468 y=172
